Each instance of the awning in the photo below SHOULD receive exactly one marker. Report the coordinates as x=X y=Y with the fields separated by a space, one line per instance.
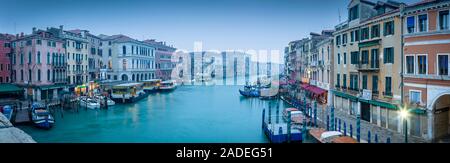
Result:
x=305 y=86
x=418 y=111
x=9 y=88
x=316 y=90
x=344 y=95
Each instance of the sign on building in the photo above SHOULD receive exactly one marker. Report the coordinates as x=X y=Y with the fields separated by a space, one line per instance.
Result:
x=367 y=94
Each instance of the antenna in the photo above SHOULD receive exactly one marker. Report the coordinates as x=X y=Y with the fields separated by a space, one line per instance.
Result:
x=339 y=12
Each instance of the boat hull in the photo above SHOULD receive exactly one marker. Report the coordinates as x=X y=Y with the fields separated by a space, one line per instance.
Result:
x=249 y=93
x=44 y=124
x=131 y=99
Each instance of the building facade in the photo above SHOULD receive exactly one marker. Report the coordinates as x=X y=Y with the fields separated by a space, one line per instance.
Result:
x=325 y=61
x=426 y=64
x=367 y=68
x=128 y=59
x=39 y=65
x=163 y=59
x=95 y=57
x=5 y=57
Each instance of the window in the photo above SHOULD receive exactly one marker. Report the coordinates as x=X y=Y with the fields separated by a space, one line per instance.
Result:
x=48 y=57
x=388 y=87
x=357 y=36
x=21 y=58
x=39 y=74
x=443 y=64
x=344 y=80
x=354 y=58
x=338 y=81
x=48 y=75
x=339 y=59
x=376 y=31
x=375 y=84
x=109 y=52
x=29 y=58
x=415 y=97
x=344 y=38
x=352 y=36
x=38 y=57
x=411 y=24
x=365 y=57
x=375 y=62
x=389 y=55
x=422 y=64
x=364 y=82
x=39 y=42
x=423 y=22
x=388 y=28
x=393 y=119
x=345 y=58
x=353 y=82
x=21 y=75
x=1 y=67
x=338 y=40
x=365 y=33
x=354 y=13
x=29 y=75
x=124 y=50
x=443 y=20
x=409 y=64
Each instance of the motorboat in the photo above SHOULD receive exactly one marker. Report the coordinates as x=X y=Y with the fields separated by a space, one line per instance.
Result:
x=41 y=117
x=89 y=103
x=168 y=85
x=250 y=91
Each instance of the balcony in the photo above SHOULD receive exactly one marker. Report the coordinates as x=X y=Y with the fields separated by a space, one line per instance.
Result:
x=387 y=94
x=64 y=65
x=314 y=64
x=372 y=67
x=78 y=62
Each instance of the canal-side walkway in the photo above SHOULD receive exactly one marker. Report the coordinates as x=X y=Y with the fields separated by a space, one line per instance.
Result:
x=345 y=123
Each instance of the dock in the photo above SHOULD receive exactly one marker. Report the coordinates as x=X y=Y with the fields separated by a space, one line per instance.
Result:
x=278 y=133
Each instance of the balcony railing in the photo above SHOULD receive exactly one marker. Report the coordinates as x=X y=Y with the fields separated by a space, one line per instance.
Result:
x=372 y=66
x=387 y=94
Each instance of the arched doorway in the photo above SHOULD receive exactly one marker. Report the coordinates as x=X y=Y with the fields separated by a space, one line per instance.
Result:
x=133 y=78
x=124 y=77
x=441 y=111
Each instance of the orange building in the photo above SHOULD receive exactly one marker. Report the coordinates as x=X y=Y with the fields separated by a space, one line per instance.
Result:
x=426 y=77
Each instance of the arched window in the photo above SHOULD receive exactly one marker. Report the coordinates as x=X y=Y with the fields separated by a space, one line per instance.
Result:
x=29 y=58
x=21 y=75
x=48 y=75
x=48 y=57
x=124 y=50
x=132 y=77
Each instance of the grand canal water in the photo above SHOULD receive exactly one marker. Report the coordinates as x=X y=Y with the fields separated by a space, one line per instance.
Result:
x=190 y=114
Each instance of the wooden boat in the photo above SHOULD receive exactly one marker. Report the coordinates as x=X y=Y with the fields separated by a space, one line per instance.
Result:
x=128 y=93
x=323 y=136
x=250 y=91
x=168 y=85
x=151 y=85
x=41 y=117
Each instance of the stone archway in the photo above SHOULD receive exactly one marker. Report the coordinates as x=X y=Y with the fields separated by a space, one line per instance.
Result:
x=441 y=114
x=124 y=77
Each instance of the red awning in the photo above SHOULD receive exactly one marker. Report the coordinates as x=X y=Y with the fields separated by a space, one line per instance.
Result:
x=316 y=90
x=305 y=86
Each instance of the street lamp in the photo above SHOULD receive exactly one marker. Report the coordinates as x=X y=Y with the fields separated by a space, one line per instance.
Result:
x=404 y=113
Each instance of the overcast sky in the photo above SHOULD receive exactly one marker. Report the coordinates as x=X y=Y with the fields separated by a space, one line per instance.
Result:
x=219 y=24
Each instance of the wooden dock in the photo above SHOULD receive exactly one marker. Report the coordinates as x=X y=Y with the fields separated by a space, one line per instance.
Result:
x=22 y=116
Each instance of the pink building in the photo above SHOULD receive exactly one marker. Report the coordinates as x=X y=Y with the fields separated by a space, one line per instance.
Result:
x=5 y=61
x=39 y=65
x=163 y=59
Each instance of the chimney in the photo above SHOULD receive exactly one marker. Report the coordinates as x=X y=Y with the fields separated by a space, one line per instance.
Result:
x=34 y=30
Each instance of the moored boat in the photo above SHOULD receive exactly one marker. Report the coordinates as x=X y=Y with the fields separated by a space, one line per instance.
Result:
x=101 y=100
x=151 y=85
x=250 y=91
x=297 y=117
x=128 y=93
x=168 y=85
x=89 y=103
x=41 y=117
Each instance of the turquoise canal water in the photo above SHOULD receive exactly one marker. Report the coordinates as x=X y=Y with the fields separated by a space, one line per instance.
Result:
x=190 y=114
